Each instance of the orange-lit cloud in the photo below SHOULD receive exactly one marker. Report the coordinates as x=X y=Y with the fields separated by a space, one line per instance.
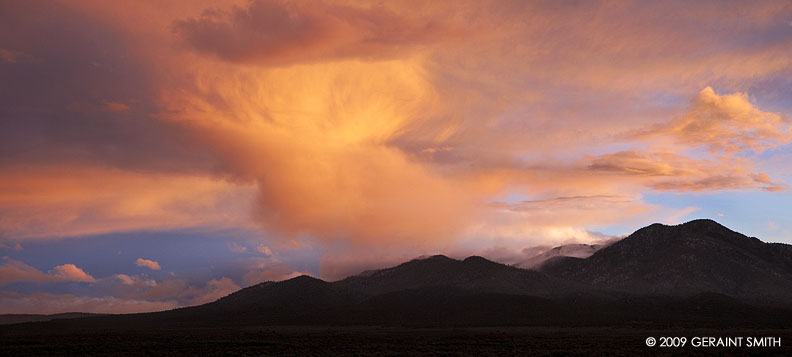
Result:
x=147 y=264
x=70 y=272
x=42 y=201
x=389 y=123
x=725 y=123
x=316 y=140
x=669 y=171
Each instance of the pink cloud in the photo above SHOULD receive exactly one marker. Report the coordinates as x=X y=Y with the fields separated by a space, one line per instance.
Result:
x=12 y=271
x=263 y=249
x=135 y=280
x=70 y=272
x=147 y=264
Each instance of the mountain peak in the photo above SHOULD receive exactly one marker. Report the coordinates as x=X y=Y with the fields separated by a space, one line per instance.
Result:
x=304 y=277
x=480 y=262
x=697 y=256
x=699 y=223
x=436 y=257
x=702 y=221
x=477 y=259
x=693 y=229
x=704 y=224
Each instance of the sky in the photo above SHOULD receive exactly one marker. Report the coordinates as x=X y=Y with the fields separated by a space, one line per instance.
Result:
x=163 y=154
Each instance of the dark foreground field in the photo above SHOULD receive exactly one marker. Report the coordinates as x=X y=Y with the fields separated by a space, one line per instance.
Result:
x=26 y=340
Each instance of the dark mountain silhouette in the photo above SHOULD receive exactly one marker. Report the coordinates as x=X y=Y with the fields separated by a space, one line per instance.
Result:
x=700 y=256
x=474 y=274
x=698 y=273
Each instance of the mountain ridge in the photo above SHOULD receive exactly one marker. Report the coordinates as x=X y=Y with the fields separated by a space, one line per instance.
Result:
x=693 y=273
x=694 y=257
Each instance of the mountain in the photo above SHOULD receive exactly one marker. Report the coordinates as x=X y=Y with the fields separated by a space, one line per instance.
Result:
x=695 y=274
x=700 y=256
x=421 y=291
x=474 y=274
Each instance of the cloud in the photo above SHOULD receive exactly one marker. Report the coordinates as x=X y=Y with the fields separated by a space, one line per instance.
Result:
x=217 y=288
x=147 y=264
x=725 y=123
x=187 y=294
x=63 y=108
x=271 y=271
x=327 y=133
x=732 y=130
x=116 y=106
x=263 y=249
x=339 y=264
x=16 y=271
x=557 y=220
x=92 y=200
x=70 y=272
x=569 y=250
x=49 y=303
x=668 y=171
x=12 y=271
x=236 y=247
x=125 y=279
x=120 y=293
x=18 y=247
x=285 y=33
x=388 y=122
